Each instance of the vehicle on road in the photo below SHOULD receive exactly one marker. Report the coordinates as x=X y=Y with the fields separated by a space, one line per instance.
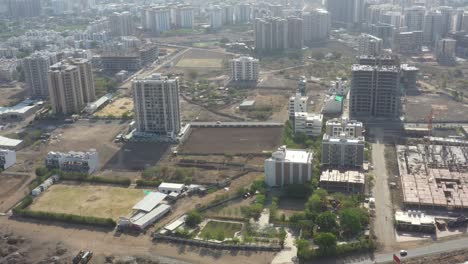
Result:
x=403 y=253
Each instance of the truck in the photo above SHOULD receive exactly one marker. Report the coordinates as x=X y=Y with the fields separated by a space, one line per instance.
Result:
x=460 y=221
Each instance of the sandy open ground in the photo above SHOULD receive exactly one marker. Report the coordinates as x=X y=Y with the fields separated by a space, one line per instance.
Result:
x=233 y=140
x=201 y=59
x=89 y=200
x=116 y=108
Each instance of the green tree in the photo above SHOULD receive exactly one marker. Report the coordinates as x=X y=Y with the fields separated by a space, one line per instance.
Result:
x=350 y=222
x=193 y=219
x=326 y=222
x=304 y=251
x=326 y=243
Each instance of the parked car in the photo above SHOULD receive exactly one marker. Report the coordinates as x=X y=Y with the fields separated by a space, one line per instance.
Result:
x=403 y=253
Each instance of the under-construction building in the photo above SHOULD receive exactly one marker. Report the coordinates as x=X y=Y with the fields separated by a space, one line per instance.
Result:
x=376 y=88
x=83 y=162
x=434 y=175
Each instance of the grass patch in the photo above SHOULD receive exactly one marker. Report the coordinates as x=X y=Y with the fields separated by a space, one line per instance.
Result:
x=88 y=200
x=203 y=63
x=215 y=228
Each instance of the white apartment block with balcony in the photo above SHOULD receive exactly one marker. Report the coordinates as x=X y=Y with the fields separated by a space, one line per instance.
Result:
x=156 y=106
x=7 y=158
x=288 y=166
x=342 y=151
x=351 y=128
x=244 y=69
x=307 y=123
x=297 y=103
x=83 y=162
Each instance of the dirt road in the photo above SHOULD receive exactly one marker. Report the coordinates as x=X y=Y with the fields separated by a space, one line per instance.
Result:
x=383 y=222
x=105 y=243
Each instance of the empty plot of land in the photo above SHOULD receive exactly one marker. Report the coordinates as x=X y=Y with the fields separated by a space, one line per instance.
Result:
x=137 y=156
x=201 y=59
x=213 y=228
x=82 y=136
x=12 y=189
x=10 y=95
x=233 y=140
x=88 y=200
x=445 y=108
x=116 y=108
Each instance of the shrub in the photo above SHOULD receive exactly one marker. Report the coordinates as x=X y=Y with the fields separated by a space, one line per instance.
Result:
x=193 y=219
x=67 y=218
x=146 y=183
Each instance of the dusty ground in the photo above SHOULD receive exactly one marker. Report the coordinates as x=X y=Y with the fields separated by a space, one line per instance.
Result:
x=289 y=207
x=89 y=200
x=136 y=156
x=13 y=187
x=42 y=241
x=201 y=59
x=190 y=112
x=116 y=108
x=82 y=136
x=11 y=94
x=232 y=140
x=230 y=209
x=454 y=257
x=445 y=108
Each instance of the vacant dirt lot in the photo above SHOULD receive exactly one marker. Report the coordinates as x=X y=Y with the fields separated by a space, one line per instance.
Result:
x=201 y=59
x=82 y=136
x=89 y=200
x=116 y=108
x=13 y=187
x=232 y=140
x=11 y=94
x=137 y=156
x=445 y=108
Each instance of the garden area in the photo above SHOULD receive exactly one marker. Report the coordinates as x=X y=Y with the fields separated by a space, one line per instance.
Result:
x=220 y=230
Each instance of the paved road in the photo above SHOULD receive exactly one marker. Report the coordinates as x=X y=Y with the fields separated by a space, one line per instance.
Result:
x=383 y=223
x=287 y=255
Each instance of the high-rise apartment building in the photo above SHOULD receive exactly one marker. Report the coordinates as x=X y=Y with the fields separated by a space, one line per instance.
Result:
x=156 y=19
x=346 y=13
x=156 y=106
x=316 y=25
x=71 y=86
x=414 y=18
x=351 y=128
x=447 y=13
x=342 y=151
x=244 y=69
x=121 y=24
x=432 y=27
x=227 y=14
x=407 y=42
x=307 y=123
x=271 y=34
x=184 y=17
x=295 y=35
x=370 y=45
x=243 y=13
x=35 y=69
x=216 y=17
x=375 y=91
x=445 y=51
x=23 y=8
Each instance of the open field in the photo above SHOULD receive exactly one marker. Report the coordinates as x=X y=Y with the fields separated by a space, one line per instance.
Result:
x=445 y=108
x=215 y=227
x=82 y=136
x=230 y=209
x=137 y=156
x=201 y=59
x=289 y=207
x=232 y=140
x=116 y=108
x=13 y=187
x=88 y=200
x=11 y=94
